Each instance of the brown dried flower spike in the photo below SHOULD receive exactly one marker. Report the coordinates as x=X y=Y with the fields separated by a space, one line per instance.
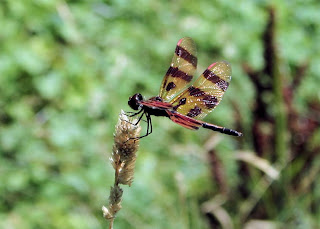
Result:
x=123 y=160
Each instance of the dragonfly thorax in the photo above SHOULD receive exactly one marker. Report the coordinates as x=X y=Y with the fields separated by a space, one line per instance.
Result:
x=134 y=101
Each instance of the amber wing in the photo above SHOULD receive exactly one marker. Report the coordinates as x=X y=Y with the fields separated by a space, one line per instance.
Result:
x=181 y=70
x=206 y=93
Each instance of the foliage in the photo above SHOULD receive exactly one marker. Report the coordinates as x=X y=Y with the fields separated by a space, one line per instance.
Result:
x=68 y=67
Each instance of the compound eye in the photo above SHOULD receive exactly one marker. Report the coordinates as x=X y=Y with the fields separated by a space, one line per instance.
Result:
x=139 y=96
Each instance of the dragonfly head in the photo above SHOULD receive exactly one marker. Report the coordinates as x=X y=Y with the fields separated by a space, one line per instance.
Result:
x=134 y=101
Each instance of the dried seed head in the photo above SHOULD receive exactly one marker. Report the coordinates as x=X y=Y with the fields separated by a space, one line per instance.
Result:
x=124 y=149
x=115 y=199
x=123 y=158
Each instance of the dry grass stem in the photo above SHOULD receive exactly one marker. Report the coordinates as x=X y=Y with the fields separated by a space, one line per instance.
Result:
x=123 y=160
x=259 y=163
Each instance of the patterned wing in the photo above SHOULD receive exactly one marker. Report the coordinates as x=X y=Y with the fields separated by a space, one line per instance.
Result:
x=181 y=70
x=206 y=93
x=185 y=121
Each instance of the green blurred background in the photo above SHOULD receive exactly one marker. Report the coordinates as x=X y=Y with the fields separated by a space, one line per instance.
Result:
x=67 y=68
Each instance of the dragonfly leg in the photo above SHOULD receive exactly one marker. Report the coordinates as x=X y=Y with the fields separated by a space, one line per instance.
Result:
x=139 y=119
x=149 y=127
x=132 y=114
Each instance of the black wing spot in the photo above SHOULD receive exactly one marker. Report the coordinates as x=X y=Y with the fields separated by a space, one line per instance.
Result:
x=183 y=53
x=194 y=112
x=170 y=86
x=210 y=101
x=193 y=91
x=181 y=102
x=209 y=75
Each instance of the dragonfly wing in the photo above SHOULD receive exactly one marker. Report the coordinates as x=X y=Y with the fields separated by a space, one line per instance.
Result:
x=184 y=121
x=181 y=70
x=206 y=93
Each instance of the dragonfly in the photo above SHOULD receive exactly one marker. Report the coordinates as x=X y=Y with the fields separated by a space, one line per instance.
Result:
x=183 y=104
